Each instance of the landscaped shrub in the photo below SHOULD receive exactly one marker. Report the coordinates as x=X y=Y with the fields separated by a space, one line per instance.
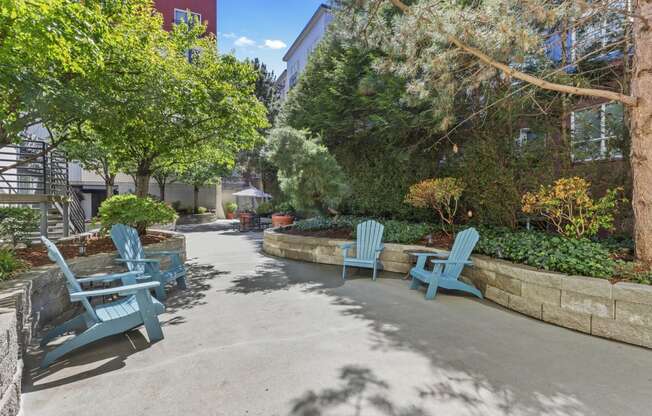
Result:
x=139 y=213
x=401 y=232
x=546 y=251
x=264 y=209
x=440 y=194
x=324 y=223
x=534 y=248
x=569 y=207
x=308 y=174
x=17 y=223
x=9 y=264
x=231 y=207
x=284 y=208
x=202 y=210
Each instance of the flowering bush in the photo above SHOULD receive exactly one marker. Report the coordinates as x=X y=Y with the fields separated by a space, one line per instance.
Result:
x=569 y=207
x=17 y=223
x=441 y=194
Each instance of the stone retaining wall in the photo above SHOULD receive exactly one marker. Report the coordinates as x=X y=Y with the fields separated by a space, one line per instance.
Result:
x=621 y=311
x=36 y=298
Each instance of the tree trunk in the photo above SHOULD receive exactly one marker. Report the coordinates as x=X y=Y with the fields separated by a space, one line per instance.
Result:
x=219 y=202
x=196 y=199
x=641 y=132
x=161 y=190
x=142 y=184
x=108 y=183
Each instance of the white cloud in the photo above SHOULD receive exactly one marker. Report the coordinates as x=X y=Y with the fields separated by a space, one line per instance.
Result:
x=275 y=44
x=244 y=41
x=229 y=35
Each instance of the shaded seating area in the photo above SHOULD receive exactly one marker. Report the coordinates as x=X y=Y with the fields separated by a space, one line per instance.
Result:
x=368 y=246
x=447 y=266
x=133 y=255
x=135 y=306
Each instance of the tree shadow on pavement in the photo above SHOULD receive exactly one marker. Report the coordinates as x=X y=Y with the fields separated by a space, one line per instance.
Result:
x=274 y=275
x=359 y=392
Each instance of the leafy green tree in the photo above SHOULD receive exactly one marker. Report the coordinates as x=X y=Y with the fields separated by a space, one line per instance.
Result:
x=382 y=141
x=308 y=174
x=93 y=156
x=174 y=96
x=44 y=46
x=164 y=174
x=250 y=162
x=449 y=48
x=201 y=173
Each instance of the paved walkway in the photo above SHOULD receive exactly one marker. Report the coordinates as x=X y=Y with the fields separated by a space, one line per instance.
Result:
x=256 y=335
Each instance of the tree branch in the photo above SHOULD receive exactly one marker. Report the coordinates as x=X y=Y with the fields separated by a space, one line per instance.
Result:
x=511 y=72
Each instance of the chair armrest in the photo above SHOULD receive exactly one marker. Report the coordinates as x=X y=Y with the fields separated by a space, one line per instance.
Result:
x=163 y=253
x=346 y=245
x=426 y=255
x=122 y=290
x=381 y=247
x=144 y=261
x=109 y=277
x=467 y=262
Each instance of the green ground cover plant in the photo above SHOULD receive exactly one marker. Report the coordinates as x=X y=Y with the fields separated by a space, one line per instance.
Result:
x=9 y=264
x=534 y=248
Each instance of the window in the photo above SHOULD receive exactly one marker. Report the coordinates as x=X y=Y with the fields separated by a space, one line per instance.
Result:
x=594 y=132
x=186 y=16
x=600 y=28
x=293 y=80
x=525 y=135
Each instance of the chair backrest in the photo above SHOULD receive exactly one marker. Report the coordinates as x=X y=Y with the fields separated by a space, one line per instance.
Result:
x=462 y=248
x=369 y=236
x=71 y=282
x=127 y=242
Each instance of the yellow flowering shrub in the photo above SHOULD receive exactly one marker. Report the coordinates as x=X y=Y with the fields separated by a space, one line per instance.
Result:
x=568 y=206
x=439 y=194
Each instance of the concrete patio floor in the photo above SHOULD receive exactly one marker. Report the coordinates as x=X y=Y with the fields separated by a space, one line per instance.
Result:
x=256 y=335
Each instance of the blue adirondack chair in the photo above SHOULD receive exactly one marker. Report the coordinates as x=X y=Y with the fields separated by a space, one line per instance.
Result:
x=135 y=307
x=131 y=252
x=368 y=246
x=447 y=268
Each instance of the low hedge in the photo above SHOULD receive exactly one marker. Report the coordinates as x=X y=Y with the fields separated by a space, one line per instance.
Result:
x=534 y=248
x=400 y=232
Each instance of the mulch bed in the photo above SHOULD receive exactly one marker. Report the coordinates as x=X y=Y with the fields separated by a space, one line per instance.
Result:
x=439 y=240
x=37 y=255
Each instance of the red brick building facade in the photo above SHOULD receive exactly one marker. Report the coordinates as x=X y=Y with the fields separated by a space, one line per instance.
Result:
x=174 y=11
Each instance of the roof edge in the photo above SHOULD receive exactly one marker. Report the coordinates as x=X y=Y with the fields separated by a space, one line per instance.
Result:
x=323 y=8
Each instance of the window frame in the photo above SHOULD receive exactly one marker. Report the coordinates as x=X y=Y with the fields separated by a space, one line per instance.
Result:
x=604 y=34
x=603 y=139
x=185 y=11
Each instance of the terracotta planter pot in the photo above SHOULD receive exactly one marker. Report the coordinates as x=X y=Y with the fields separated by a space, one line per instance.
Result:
x=245 y=220
x=281 y=220
x=230 y=215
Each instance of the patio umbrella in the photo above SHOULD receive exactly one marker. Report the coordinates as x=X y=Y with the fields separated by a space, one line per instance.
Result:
x=253 y=193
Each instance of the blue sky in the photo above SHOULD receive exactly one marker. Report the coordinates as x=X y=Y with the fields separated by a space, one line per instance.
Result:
x=262 y=28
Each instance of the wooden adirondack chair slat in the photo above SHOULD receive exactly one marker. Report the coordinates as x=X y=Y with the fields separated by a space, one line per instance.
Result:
x=368 y=246
x=446 y=273
x=131 y=251
x=136 y=307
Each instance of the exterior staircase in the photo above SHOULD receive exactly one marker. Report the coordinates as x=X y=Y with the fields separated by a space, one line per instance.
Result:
x=41 y=182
